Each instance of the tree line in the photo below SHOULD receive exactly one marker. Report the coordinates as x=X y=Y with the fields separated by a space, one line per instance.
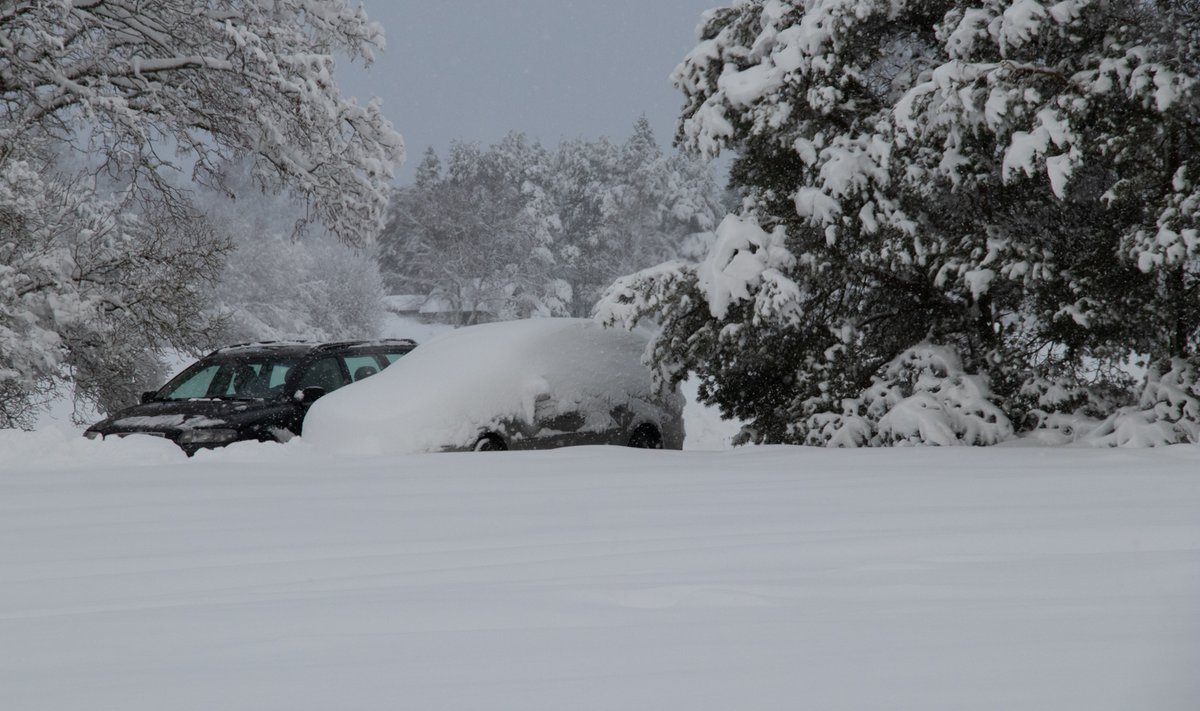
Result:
x=517 y=230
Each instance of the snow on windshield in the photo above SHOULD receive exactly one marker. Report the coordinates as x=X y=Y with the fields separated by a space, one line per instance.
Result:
x=458 y=385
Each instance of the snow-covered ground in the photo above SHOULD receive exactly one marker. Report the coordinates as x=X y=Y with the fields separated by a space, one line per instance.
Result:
x=269 y=576
x=277 y=577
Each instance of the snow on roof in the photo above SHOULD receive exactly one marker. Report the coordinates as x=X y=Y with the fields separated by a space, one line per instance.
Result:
x=462 y=383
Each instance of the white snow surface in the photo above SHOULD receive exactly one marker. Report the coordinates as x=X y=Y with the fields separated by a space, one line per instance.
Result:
x=277 y=577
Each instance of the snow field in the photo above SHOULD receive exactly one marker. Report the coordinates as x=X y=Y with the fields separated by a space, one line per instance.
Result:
x=277 y=577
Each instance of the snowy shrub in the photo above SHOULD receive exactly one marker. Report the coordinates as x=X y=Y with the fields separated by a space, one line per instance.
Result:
x=925 y=397
x=921 y=397
x=843 y=429
x=1063 y=405
x=1168 y=412
x=1056 y=428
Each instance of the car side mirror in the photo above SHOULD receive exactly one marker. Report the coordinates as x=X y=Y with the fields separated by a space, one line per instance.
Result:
x=147 y=396
x=309 y=395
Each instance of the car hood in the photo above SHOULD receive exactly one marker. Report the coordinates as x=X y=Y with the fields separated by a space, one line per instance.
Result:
x=176 y=415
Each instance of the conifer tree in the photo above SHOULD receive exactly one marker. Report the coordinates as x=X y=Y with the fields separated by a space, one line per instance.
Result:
x=973 y=212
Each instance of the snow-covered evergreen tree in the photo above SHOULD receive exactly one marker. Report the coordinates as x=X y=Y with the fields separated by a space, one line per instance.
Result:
x=1005 y=179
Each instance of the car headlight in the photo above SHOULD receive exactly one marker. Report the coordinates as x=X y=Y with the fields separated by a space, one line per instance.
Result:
x=208 y=435
x=92 y=434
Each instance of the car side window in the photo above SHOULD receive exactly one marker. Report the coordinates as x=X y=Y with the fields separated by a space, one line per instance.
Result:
x=393 y=357
x=242 y=379
x=361 y=367
x=325 y=373
x=279 y=374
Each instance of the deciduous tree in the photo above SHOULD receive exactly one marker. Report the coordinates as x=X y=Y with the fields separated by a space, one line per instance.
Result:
x=103 y=105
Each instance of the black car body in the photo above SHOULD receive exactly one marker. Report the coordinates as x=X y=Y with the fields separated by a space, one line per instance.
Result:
x=254 y=391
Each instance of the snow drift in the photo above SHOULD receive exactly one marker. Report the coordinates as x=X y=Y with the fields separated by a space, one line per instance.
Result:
x=277 y=577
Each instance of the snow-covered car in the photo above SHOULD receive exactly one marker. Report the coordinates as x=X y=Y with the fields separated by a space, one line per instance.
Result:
x=531 y=384
x=253 y=391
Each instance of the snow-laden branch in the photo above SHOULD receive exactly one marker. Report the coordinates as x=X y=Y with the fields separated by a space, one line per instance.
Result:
x=219 y=79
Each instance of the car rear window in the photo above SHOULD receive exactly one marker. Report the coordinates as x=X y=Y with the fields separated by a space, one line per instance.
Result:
x=325 y=373
x=361 y=367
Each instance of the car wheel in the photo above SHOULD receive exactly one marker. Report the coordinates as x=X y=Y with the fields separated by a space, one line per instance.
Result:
x=490 y=443
x=646 y=437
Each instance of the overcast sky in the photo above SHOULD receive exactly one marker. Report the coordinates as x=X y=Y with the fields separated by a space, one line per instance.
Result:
x=555 y=69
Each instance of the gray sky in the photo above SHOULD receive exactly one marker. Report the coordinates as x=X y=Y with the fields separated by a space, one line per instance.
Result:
x=555 y=69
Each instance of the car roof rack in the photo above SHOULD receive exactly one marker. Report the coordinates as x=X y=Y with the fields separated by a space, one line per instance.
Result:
x=317 y=345
x=334 y=345
x=266 y=344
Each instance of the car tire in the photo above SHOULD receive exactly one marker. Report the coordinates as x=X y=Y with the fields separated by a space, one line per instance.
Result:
x=646 y=436
x=490 y=442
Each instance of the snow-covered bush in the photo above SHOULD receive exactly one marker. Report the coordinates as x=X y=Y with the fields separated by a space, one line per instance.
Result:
x=1167 y=413
x=921 y=397
x=924 y=396
x=1063 y=404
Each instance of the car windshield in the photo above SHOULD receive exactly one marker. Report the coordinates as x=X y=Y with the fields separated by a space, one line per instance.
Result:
x=244 y=378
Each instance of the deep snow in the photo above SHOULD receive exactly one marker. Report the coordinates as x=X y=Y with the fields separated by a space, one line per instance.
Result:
x=283 y=577
x=277 y=577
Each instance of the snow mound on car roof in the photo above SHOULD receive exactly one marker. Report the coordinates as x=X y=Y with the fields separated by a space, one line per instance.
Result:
x=460 y=384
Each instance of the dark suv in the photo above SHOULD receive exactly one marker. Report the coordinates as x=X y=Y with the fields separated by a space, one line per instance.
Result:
x=253 y=391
